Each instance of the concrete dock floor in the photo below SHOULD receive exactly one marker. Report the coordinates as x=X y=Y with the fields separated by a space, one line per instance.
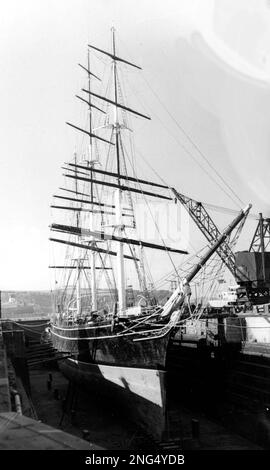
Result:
x=18 y=432
x=105 y=427
x=110 y=430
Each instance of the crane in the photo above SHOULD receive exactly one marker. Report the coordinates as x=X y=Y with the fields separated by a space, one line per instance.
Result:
x=207 y=226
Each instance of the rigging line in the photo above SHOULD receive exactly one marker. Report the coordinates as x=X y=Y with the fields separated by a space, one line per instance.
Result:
x=66 y=280
x=113 y=275
x=213 y=207
x=168 y=253
x=227 y=210
x=216 y=271
x=106 y=256
x=125 y=116
x=108 y=154
x=192 y=156
x=87 y=281
x=196 y=161
x=205 y=291
x=122 y=97
x=85 y=255
x=193 y=143
x=102 y=219
x=164 y=183
x=184 y=268
x=73 y=287
x=209 y=280
x=107 y=90
x=128 y=184
x=134 y=255
x=146 y=276
x=52 y=254
x=108 y=84
x=106 y=218
x=149 y=274
x=111 y=288
x=144 y=320
x=109 y=151
x=150 y=166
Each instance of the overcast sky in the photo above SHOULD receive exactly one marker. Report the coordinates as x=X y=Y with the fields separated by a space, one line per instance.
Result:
x=206 y=70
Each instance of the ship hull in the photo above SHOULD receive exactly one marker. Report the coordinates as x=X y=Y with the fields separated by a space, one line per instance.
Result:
x=140 y=392
x=130 y=369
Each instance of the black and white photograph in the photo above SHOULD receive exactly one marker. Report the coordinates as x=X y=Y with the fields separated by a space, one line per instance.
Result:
x=135 y=234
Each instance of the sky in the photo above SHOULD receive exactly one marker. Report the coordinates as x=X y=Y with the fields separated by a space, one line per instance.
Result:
x=205 y=81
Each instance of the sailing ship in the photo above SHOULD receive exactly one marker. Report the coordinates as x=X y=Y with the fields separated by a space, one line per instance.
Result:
x=115 y=342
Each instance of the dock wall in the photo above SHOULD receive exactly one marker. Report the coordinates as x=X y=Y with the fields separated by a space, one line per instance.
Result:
x=5 y=403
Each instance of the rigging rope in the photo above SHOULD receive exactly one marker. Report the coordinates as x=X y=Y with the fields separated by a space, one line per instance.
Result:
x=193 y=143
x=200 y=152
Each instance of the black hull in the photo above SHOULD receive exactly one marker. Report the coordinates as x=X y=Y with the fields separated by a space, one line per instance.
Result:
x=99 y=346
x=134 y=371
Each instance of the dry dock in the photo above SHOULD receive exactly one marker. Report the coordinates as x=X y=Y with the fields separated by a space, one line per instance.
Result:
x=57 y=416
x=108 y=428
x=18 y=431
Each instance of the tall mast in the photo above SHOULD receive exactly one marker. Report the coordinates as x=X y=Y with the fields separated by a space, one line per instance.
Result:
x=261 y=221
x=78 y=274
x=90 y=111
x=91 y=162
x=118 y=194
x=120 y=188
